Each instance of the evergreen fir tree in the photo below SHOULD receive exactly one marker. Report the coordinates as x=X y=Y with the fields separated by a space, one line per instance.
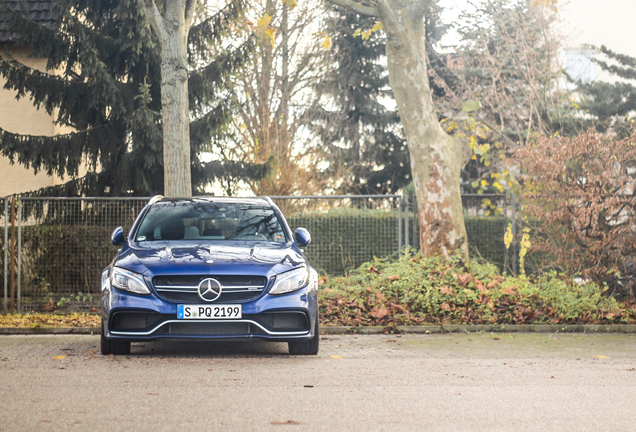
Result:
x=611 y=104
x=362 y=140
x=103 y=80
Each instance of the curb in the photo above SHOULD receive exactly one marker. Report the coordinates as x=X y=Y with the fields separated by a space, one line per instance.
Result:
x=423 y=329
x=467 y=328
x=48 y=330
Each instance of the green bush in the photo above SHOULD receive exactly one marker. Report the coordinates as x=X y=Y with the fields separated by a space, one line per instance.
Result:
x=417 y=289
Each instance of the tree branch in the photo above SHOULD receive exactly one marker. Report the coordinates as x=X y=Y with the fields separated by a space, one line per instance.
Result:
x=356 y=7
x=390 y=23
x=155 y=18
x=419 y=9
x=189 y=13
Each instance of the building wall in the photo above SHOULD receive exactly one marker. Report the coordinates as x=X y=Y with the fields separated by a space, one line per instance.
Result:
x=20 y=116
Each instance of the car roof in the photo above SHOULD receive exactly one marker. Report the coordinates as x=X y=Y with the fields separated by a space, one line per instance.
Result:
x=252 y=200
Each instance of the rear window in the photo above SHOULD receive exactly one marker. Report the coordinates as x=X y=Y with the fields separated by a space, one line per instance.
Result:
x=204 y=220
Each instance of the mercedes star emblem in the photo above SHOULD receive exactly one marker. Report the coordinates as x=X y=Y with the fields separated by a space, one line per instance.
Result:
x=210 y=289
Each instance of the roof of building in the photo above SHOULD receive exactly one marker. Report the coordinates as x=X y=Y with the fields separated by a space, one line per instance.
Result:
x=40 y=11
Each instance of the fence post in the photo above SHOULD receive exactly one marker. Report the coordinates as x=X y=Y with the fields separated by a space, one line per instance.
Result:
x=406 y=221
x=514 y=235
x=505 y=228
x=19 y=202
x=5 y=252
x=12 y=258
x=400 y=225
x=415 y=224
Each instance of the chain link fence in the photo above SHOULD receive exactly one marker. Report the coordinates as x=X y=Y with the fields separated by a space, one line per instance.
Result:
x=63 y=244
x=346 y=231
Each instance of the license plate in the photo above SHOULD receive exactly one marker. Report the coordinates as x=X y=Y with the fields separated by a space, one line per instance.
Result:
x=216 y=312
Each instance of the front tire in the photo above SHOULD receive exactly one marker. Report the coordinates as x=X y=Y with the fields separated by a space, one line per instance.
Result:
x=309 y=347
x=116 y=347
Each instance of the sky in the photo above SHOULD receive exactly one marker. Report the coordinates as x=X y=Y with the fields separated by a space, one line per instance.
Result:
x=606 y=22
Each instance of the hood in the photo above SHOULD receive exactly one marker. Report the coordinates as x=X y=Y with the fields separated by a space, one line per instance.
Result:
x=209 y=258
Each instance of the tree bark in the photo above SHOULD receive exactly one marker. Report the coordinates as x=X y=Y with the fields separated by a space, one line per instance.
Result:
x=436 y=157
x=172 y=29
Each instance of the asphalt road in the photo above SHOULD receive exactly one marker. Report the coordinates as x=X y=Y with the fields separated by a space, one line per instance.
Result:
x=559 y=382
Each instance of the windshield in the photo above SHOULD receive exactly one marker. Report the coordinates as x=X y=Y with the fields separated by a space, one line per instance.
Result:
x=206 y=220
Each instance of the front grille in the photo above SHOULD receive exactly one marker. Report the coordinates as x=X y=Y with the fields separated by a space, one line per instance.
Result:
x=209 y=328
x=284 y=321
x=134 y=320
x=184 y=288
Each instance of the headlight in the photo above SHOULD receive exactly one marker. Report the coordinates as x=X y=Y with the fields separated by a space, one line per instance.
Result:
x=290 y=281
x=105 y=280
x=128 y=281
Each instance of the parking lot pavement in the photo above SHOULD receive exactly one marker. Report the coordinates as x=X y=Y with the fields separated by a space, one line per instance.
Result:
x=381 y=382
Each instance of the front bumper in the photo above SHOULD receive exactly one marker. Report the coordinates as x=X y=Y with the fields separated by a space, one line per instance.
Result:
x=287 y=317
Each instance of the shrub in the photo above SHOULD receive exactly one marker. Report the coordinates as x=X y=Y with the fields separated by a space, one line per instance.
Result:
x=581 y=191
x=417 y=289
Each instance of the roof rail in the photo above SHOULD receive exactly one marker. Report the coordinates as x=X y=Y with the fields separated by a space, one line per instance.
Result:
x=154 y=199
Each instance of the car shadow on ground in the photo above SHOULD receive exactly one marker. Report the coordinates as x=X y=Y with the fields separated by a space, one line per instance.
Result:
x=209 y=349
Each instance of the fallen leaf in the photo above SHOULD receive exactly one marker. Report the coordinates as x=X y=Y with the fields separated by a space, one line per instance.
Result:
x=394 y=277
x=445 y=306
x=336 y=357
x=603 y=357
x=397 y=307
x=380 y=312
x=446 y=290
x=480 y=286
x=509 y=291
x=373 y=270
x=288 y=422
x=492 y=284
x=463 y=279
x=59 y=357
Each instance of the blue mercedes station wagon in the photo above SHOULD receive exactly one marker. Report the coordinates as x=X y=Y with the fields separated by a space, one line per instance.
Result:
x=210 y=269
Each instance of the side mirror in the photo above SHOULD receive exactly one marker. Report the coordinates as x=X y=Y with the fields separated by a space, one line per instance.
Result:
x=117 y=237
x=302 y=237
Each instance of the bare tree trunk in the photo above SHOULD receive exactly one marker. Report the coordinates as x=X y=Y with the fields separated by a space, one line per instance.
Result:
x=172 y=29
x=436 y=158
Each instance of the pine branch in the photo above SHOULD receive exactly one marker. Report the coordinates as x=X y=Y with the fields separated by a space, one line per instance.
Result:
x=202 y=130
x=236 y=170
x=60 y=154
x=202 y=83
x=623 y=59
x=79 y=104
x=88 y=185
x=213 y=28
